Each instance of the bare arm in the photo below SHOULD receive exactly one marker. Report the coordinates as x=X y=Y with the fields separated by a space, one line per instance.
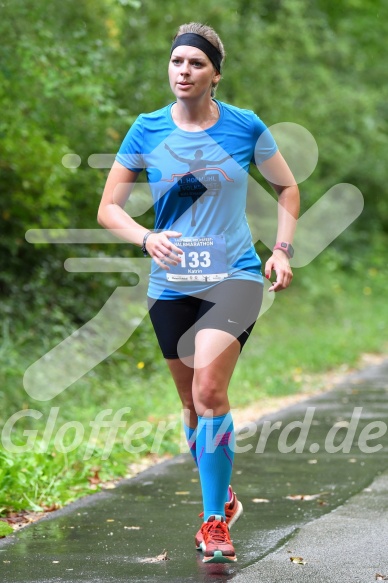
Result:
x=111 y=215
x=278 y=174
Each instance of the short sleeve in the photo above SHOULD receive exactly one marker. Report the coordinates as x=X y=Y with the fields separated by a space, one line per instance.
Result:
x=265 y=145
x=131 y=151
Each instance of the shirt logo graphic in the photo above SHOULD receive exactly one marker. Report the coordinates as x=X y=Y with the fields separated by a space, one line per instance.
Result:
x=196 y=182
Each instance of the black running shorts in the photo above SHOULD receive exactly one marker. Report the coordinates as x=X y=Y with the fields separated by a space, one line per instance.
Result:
x=231 y=305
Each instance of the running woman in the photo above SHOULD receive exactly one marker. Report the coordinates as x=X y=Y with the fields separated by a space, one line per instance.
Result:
x=206 y=284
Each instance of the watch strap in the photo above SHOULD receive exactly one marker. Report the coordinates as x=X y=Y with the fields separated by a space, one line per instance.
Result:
x=143 y=247
x=287 y=248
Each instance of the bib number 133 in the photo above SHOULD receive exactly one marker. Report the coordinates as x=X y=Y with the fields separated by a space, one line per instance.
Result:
x=195 y=259
x=203 y=259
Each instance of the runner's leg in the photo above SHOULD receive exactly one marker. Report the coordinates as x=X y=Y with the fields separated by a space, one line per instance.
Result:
x=183 y=378
x=171 y=320
x=215 y=432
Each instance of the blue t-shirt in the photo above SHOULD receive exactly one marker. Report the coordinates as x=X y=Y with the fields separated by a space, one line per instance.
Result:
x=198 y=182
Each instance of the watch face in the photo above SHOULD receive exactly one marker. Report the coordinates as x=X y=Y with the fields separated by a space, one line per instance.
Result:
x=286 y=247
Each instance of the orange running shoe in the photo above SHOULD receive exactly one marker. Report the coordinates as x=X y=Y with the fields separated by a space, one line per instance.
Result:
x=217 y=546
x=233 y=511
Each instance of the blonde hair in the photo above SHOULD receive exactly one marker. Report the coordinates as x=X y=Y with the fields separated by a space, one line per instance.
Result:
x=209 y=34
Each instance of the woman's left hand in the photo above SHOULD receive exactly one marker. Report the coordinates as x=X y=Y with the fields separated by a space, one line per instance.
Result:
x=279 y=263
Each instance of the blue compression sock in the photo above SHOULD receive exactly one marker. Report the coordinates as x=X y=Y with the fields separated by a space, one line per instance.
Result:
x=215 y=454
x=191 y=440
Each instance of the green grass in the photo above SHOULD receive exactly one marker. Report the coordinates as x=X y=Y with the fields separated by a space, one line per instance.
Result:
x=5 y=529
x=326 y=319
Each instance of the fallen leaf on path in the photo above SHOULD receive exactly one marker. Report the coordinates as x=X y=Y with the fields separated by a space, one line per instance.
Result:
x=379 y=577
x=50 y=508
x=24 y=517
x=95 y=478
x=306 y=496
x=108 y=485
x=298 y=560
x=162 y=557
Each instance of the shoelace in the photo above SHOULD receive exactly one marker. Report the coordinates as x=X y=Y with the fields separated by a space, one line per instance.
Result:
x=218 y=531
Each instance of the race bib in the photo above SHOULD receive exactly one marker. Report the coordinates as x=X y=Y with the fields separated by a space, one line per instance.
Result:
x=203 y=259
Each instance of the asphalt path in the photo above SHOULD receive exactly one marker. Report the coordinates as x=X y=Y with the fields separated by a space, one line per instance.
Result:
x=313 y=482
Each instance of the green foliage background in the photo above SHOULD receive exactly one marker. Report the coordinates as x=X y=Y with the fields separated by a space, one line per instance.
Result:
x=74 y=74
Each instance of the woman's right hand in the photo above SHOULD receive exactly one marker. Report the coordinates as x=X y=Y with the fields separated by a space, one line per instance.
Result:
x=162 y=251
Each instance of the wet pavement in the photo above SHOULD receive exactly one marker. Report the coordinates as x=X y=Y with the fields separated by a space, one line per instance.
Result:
x=326 y=502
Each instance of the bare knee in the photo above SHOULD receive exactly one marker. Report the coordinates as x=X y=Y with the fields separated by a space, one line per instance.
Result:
x=209 y=394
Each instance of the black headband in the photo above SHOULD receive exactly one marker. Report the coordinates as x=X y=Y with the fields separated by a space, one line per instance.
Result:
x=196 y=40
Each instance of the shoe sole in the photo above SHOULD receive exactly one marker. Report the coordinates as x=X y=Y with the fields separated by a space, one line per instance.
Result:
x=218 y=557
x=235 y=518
